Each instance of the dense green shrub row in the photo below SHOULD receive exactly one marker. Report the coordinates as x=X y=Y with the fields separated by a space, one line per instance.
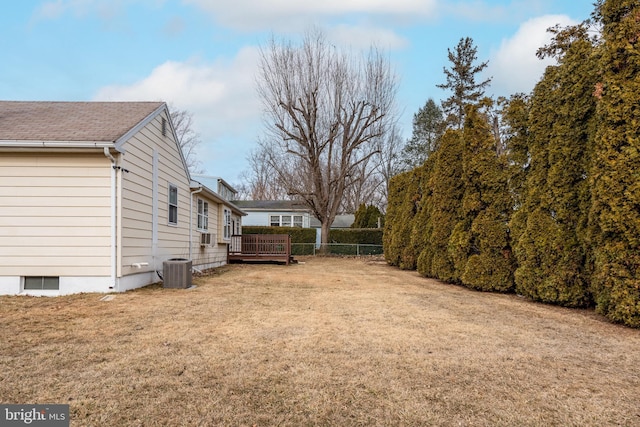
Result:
x=371 y=236
x=298 y=235
x=552 y=209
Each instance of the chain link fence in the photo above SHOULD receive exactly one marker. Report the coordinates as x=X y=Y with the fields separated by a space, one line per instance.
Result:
x=335 y=249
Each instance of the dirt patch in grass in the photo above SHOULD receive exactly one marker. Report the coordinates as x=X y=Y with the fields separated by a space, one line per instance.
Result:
x=330 y=341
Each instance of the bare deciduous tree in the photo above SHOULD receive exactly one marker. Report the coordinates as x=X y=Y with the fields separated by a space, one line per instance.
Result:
x=259 y=181
x=324 y=108
x=370 y=182
x=390 y=163
x=188 y=139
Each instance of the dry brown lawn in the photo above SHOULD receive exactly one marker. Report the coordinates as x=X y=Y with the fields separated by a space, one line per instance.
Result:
x=332 y=342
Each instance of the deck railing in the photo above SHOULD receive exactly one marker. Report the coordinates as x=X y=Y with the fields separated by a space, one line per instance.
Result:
x=267 y=247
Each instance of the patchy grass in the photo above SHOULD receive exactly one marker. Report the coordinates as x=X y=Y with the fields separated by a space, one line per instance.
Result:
x=332 y=341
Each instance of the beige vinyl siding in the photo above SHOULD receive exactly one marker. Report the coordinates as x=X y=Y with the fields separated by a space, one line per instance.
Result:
x=136 y=209
x=214 y=254
x=55 y=214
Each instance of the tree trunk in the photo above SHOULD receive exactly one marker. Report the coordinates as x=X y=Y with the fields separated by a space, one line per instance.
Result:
x=324 y=237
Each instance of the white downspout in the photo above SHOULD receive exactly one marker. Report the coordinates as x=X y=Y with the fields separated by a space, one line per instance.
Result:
x=194 y=192
x=114 y=267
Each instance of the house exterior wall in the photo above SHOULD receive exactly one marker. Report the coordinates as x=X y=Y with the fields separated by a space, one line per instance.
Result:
x=57 y=215
x=262 y=218
x=146 y=238
x=55 y=220
x=214 y=254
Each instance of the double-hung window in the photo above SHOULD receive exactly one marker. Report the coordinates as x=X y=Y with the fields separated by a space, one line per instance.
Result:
x=173 y=204
x=227 y=224
x=203 y=215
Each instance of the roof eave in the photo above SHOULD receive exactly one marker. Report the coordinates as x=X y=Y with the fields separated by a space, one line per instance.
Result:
x=216 y=197
x=55 y=144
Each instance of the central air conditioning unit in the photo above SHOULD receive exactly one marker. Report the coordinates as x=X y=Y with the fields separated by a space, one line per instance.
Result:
x=205 y=239
x=176 y=273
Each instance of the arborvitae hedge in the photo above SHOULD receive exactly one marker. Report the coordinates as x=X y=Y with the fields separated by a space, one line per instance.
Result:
x=615 y=212
x=444 y=210
x=367 y=217
x=571 y=184
x=550 y=226
x=479 y=243
x=403 y=201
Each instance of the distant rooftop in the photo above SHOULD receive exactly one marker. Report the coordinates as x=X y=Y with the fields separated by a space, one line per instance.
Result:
x=272 y=205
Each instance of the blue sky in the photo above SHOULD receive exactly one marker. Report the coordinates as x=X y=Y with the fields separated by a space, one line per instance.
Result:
x=201 y=55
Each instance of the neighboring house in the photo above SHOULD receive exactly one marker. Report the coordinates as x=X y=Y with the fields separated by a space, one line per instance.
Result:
x=95 y=196
x=286 y=213
x=275 y=213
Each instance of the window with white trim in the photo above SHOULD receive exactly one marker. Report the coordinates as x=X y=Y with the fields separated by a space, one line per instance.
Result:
x=41 y=283
x=285 y=220
x=173 y=204
x=203 y=215
x=226 y=224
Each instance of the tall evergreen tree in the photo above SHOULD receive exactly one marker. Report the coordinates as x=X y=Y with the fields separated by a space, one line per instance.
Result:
x=550 y=226
x=445 y=187
x=428 y=126
x=515 y=116
x=479 y=243
x=461 y=81
x=615 y=210
x=404 y=200
x=367 y=216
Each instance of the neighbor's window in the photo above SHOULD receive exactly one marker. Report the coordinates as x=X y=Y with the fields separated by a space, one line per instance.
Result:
x=203 y=215
x=173 y=204
x=227 y=224
x=41 y=283
x=285 y=220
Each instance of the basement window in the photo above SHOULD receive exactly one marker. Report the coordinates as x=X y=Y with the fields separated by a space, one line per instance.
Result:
x=41 y=283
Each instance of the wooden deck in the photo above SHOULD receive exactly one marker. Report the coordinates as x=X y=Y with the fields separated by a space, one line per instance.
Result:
x=260 y=247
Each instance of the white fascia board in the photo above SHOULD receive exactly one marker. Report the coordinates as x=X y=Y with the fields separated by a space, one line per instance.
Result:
x=54 y=144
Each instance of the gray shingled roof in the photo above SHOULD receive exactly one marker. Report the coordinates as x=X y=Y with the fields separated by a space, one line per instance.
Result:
x=280 y=205
x=70 y=121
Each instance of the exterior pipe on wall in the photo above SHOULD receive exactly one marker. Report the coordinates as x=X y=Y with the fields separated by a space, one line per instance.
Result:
x=113 y=218
x=139 y=264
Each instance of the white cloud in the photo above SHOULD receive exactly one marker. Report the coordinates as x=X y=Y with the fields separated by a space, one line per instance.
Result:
x=292 y=15
x=514 y=66
x=474 y=10
x=366 y=36
x=220 y=95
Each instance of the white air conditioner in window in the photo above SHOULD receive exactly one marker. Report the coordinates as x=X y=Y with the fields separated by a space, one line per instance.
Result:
x=205 y=239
